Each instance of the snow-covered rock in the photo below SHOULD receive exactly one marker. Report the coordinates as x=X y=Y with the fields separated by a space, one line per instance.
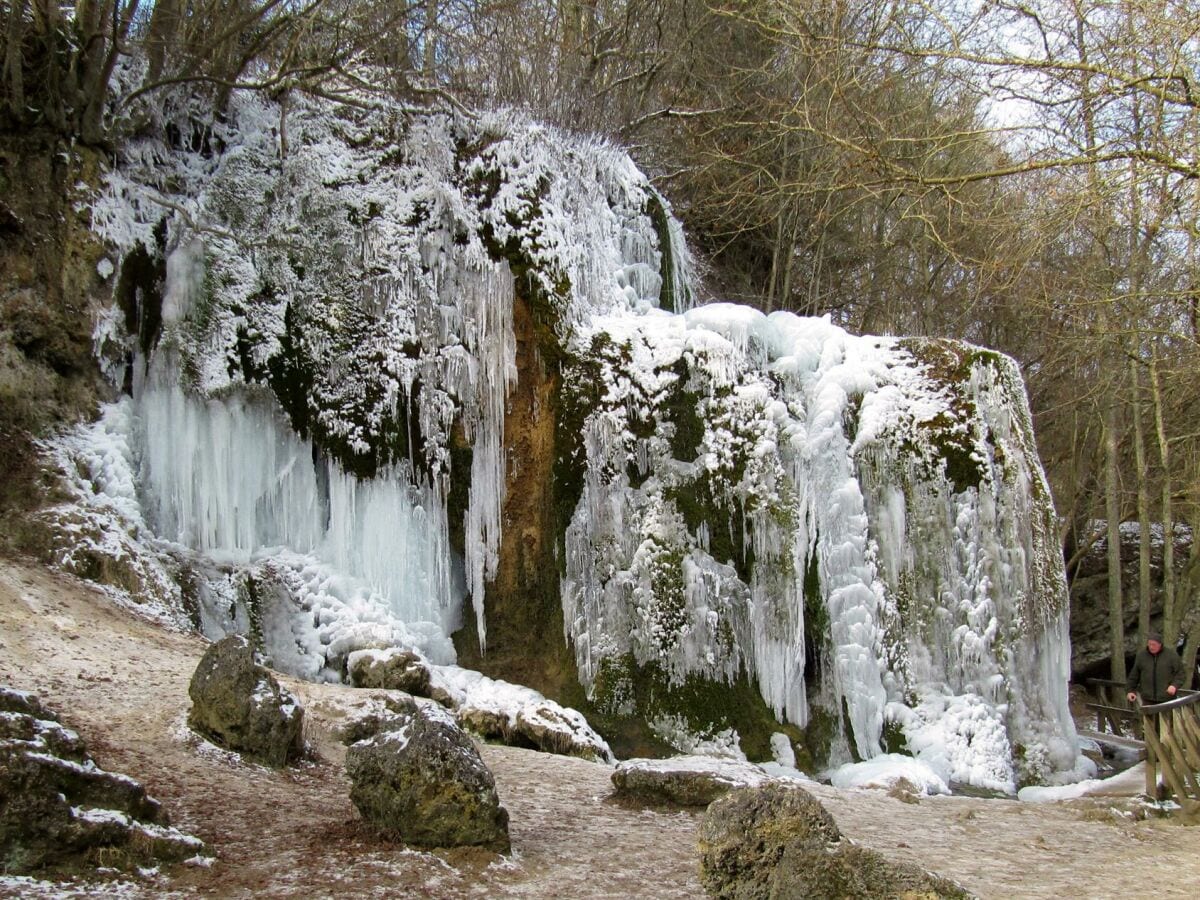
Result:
x=888 y=771
x=511 y=714
x=57 y=806
x=426 y=785
x=393 y=669
x=686 y=780
x=241 y=706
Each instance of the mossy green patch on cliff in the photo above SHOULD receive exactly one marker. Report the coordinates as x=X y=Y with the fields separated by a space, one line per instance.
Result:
x=953 y=446
x=949 y=365
x=726 y=524
x=823 y=726
x=681 y=409
x=664 y=612
x=579 y=395
x=667 y=299
x=706 y=707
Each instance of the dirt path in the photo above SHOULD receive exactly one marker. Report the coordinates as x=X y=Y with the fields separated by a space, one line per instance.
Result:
x=122 y=683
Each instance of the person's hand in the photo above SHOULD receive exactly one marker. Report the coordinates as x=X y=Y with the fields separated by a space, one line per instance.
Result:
x=1132 y=696
x=1171 y=689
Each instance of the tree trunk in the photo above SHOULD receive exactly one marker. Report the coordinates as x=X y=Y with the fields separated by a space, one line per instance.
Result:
x=161 y=37
x=14 y=63
x=429 y=56
x=1112 y=492
x=1171 y=614
x=1143 y=503
x=1189 y=585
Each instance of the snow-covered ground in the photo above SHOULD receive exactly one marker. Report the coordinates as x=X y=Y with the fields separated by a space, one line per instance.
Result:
x=121 y=682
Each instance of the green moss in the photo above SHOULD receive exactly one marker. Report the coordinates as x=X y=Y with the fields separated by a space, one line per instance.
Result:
x=893 y=738
x=681 y=409
x=707 y=706
x=950 y=364
x=668 y=605
x=816 y=616
x=813 y=752
x=667 y=300
x=726 y=525
x=953 y=446
x=251 y=596
x=578 y=395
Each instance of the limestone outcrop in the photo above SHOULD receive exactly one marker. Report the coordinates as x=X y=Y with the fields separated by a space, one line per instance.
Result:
x=239 y=705
x=546 y=726
x=392 y=669
x=57 y=807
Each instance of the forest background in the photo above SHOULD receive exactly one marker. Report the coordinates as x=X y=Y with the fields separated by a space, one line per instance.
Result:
x=1023 y=175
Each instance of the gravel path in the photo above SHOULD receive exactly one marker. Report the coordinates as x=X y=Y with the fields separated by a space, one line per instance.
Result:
x=122 y=683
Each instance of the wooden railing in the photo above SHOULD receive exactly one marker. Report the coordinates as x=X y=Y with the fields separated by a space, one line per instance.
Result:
x=1172 y=734
x=1169 y=731
x=1112 y=708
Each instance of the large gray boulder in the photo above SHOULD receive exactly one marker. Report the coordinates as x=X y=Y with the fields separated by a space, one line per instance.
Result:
x=239 y=705
x=425 y=784
x=57 y=807
x=684 y=780
x=778 y=841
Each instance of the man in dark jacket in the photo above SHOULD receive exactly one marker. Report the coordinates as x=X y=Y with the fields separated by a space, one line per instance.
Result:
x=1157 y=672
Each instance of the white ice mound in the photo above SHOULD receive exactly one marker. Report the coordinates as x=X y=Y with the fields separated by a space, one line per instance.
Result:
x=888 y=770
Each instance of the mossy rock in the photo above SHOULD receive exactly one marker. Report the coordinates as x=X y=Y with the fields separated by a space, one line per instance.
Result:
x=627 y=695
x=392 y=669
x=683 y=780
x=778 y=841
x=59 y=810
x=239 y=705
x=426 y=785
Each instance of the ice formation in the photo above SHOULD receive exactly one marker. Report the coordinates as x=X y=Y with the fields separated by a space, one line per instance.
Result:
x=858 y=524
x=885 y=489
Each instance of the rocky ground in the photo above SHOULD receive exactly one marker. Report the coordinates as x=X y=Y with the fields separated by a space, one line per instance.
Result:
x=121 y=681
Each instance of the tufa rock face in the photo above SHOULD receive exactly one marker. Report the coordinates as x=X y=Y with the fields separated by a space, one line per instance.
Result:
x=239 y=705
x=426 y=785
x=58 y=808
x=686 y=780
x=392 y=669
x=778 y=841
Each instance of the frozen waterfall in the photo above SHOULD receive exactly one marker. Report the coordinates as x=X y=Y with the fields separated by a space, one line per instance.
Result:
x=857 y=525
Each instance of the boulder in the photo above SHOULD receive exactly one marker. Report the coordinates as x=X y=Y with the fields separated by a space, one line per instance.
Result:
x=559 y=729
x=393 y=669
x=388 y=713
x=685 y=780
x=778 y=841
x=544 y=726
x=57 y=807
x=425 y=784
x=239 y=705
